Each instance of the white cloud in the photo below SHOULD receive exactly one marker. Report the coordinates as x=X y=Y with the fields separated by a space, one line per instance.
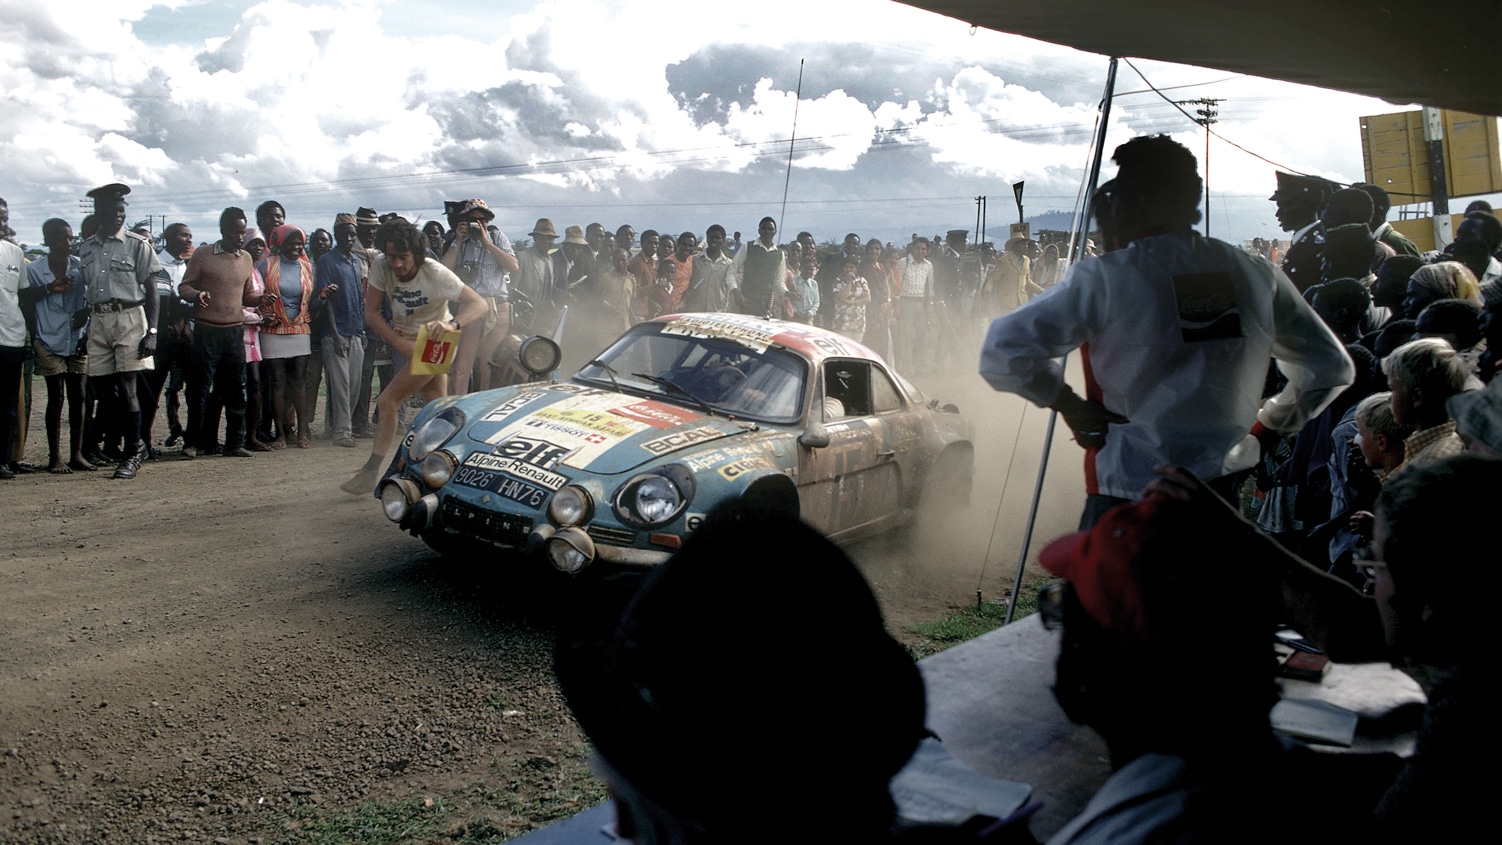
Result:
x=289 y=93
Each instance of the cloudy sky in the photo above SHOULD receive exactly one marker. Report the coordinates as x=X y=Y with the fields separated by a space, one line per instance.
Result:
x=658 y=114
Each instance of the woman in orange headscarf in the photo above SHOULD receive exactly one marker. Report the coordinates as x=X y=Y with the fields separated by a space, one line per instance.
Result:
x=286 y=336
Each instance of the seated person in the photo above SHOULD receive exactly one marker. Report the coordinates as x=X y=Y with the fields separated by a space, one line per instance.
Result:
x=1423 y=374
x=724 y=707
x=1167 y=654
x=849 y=383
x=833 y=408
x=1434 y=584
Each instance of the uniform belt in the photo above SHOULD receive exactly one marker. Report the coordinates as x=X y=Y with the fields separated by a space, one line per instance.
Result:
x=112 y=305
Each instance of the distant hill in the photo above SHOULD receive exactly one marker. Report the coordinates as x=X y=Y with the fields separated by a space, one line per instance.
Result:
x=999 y=232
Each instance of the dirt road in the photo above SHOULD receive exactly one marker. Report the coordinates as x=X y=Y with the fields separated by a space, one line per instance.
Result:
x=230 y=650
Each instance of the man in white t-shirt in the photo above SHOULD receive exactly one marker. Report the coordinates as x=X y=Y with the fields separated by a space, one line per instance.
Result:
x=12 y=343
x=419 y=291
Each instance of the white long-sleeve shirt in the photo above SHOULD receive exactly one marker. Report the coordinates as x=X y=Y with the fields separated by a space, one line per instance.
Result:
x=1177 y=331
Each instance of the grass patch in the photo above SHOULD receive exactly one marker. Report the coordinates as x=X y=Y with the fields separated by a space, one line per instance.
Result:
x=967 y=623
x=372 y=822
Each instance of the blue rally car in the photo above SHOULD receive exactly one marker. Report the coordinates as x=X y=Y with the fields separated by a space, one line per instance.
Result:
x=621 y=462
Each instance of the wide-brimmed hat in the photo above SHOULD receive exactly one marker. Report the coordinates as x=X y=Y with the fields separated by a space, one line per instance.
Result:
x=459 y=208
x=544 y=227
x=574 y=235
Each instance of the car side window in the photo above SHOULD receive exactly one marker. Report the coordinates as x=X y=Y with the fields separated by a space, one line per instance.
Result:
x=884 y=394
x=849 y=383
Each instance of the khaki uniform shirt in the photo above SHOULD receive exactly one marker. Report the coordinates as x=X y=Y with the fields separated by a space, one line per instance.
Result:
x=118 y=267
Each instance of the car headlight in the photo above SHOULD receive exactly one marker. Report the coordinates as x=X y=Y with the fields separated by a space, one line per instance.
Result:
x=539 y=355
x=570 y=506
x=397 y=496
x=438 y=468
x=570 y=550
x=434 y=433
x=650 y=500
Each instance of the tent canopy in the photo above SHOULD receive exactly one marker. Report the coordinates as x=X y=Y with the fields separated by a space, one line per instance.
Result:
x=1443 y=55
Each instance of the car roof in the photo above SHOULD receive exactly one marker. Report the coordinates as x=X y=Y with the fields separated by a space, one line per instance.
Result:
x=756 y=333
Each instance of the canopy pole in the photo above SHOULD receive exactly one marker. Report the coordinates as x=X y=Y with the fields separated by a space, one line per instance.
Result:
x=792 y=140
x=1077 y=252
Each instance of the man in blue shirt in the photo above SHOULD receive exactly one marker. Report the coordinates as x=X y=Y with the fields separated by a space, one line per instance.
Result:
x=339 y=319
x=60 y=358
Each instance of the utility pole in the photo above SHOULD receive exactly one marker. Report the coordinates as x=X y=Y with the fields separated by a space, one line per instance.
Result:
x=1207 y=111
x=1439 y=194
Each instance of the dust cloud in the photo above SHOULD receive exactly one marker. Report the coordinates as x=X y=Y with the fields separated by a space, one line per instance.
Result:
x=949 y=558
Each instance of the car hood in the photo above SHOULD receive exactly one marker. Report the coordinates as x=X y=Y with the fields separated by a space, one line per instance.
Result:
x=591 y=429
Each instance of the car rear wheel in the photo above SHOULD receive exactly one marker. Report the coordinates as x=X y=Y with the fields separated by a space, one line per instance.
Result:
x=945 y=501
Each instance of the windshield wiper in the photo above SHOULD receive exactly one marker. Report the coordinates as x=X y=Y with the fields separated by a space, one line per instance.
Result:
x=609 y=372
x=678 y=388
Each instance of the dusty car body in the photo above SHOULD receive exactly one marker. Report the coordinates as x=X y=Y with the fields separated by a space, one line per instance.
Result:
x=623 y=461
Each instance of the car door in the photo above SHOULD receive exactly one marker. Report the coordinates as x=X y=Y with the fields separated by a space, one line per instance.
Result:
x=863 y=474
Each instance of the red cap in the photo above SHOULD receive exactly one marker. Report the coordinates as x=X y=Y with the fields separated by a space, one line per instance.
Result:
x=1105 y=565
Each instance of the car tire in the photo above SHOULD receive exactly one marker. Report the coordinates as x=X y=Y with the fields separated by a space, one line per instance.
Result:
x=451 y=545
x=945 y=500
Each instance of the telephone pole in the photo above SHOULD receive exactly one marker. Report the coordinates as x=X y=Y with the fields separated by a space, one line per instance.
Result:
x=1208 y=110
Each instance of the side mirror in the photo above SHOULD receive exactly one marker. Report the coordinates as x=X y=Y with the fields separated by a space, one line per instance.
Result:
x=816 y=436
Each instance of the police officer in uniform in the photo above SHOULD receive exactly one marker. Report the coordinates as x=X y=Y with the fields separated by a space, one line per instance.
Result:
x=1299 y=199
x=119 y=270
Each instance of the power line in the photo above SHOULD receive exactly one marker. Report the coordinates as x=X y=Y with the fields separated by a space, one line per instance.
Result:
x=1186 y=114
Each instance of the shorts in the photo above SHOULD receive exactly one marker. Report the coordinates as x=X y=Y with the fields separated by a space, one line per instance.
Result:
x=115 y=342
x=498 y=306
x=49 y=364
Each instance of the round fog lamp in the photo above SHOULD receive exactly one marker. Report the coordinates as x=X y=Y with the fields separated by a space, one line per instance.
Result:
x=570 y=550
x=570 y=506
x=438 y=468
x=539 y=355
x=396 y=499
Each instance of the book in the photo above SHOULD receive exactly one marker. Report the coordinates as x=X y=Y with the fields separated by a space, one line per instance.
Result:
x=1303 y=666
x=1315 y=721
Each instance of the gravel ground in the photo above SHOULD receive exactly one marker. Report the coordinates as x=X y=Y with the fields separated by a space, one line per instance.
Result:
x=230 y=650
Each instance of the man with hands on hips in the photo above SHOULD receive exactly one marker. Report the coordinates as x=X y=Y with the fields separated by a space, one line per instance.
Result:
x=1176 y=331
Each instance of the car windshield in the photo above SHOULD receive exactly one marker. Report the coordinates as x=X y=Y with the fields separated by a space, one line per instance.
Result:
x=705 y=371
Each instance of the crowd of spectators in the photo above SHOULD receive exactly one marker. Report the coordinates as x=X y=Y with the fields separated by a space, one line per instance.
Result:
x=307 y=347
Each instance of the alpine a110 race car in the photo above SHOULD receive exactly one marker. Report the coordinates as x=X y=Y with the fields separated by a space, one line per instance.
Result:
x=621 y=462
